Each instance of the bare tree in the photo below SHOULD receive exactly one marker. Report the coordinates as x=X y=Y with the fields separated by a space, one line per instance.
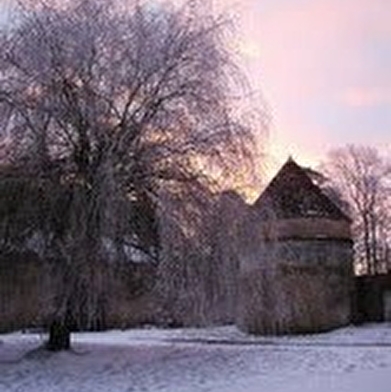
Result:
x=362 y=176
x=103 y=107
x=329 y=188
x=199 y=267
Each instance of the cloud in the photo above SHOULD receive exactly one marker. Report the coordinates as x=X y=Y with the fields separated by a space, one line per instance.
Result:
x=365 y=97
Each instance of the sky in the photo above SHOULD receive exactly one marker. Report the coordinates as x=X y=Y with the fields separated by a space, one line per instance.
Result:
x=323 y=68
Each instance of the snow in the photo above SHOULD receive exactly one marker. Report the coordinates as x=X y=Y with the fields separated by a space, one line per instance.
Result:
x=219 y=359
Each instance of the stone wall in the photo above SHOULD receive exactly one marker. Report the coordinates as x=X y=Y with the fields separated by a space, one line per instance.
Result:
x=22 y=287
x=370 y=298
x=27 y=292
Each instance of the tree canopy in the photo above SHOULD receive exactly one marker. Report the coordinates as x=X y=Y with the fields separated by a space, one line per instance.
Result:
x=103 y=106
x=361 y=175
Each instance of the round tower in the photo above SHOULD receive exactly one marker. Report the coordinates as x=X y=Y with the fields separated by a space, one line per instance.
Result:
x=296 y=261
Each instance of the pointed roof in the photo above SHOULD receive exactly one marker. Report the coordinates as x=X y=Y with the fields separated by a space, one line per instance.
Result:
x=292 y=194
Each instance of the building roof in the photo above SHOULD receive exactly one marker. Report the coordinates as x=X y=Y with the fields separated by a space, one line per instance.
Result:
x=292 y=194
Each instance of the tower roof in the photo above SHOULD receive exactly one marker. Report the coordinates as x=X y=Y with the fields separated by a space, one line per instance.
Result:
x=292 y=194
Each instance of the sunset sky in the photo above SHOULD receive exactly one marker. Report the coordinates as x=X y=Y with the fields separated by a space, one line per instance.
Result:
x=324 y=68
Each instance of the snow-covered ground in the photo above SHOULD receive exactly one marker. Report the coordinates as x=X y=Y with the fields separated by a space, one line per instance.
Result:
x=189 y=360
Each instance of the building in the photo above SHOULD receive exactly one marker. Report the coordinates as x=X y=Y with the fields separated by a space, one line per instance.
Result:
x=296 y=259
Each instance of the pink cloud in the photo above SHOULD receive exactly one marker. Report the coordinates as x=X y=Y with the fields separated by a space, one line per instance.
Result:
x=365 y=97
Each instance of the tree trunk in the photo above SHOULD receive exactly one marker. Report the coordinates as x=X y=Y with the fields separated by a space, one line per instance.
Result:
x=367 y=244
x=59 y=336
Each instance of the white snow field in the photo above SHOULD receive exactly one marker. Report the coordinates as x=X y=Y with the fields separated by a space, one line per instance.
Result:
x=353 y=359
